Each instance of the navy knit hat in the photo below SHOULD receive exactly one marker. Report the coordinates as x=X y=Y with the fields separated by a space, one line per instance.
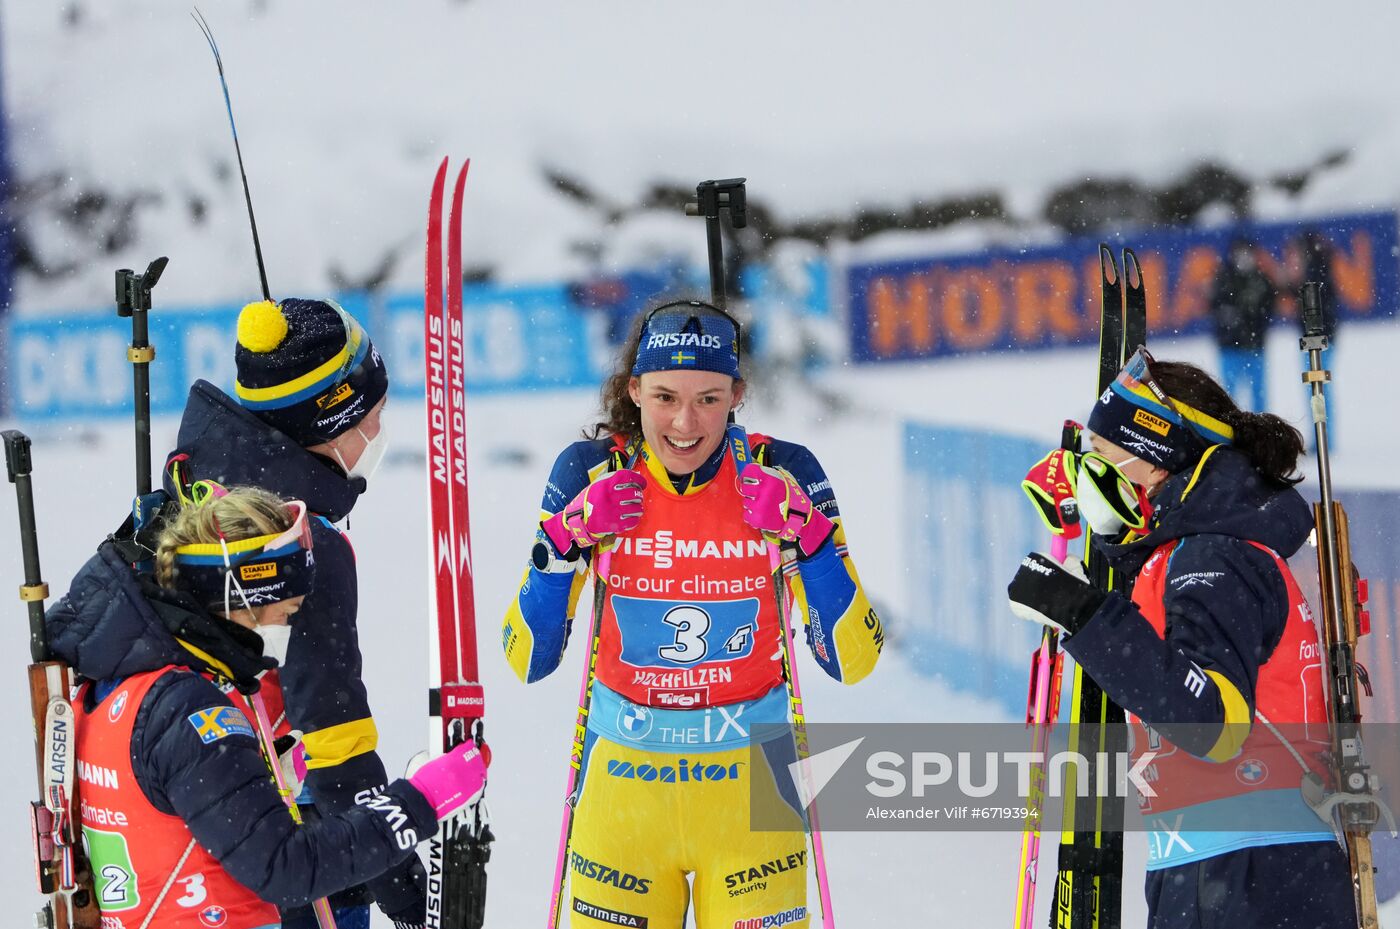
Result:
x=691 y=336
x=306 y=368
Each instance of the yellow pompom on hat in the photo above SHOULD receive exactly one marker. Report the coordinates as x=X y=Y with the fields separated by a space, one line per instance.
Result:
x=306 y=367
x=261 y=326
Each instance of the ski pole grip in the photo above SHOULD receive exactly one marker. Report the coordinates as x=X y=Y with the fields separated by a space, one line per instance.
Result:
x=1312 y=308
x=134 y=290
x=17 y=459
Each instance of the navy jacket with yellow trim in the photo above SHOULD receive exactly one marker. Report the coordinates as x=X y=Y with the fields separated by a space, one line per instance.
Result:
x=108 y=627
x=324 y=695
x=1227 y=627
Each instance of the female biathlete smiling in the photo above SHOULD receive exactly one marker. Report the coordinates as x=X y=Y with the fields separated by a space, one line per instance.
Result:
x=689 y=655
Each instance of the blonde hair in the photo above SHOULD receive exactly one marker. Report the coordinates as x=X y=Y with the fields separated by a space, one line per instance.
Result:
x=241 y=513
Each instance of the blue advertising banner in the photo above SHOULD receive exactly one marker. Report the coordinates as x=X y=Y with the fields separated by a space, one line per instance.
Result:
x=517 y=338
x=1017 y=299
x=968 y=527
x=74 y=366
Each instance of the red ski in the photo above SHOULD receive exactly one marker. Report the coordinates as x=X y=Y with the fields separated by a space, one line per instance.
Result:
x=458 y=854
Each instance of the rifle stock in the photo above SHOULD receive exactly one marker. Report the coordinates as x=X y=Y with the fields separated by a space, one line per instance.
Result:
x=61 y=866
x=1350 y=802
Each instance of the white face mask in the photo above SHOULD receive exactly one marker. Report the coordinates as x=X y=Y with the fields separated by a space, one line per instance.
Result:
x=370 y=458
x=275 y=641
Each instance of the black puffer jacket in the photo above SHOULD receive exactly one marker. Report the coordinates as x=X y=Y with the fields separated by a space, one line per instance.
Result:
x=322 y=688
x=1232 y=624
x=113 y=624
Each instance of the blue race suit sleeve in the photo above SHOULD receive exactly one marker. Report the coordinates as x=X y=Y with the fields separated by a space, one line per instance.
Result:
x=843 y=630
x=537 y=624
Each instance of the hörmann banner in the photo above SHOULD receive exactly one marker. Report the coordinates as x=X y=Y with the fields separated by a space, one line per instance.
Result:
x=1017 y=299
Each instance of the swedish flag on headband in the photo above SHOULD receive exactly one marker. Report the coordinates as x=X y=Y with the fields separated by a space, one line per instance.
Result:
x=690 y=336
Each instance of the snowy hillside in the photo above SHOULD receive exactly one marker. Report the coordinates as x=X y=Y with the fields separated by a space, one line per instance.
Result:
x=122 y=147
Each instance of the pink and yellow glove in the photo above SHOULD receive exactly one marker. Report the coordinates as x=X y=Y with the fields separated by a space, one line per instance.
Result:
x=775 y=503
x=450 y=781
x=1051 y=486
x=609 y=505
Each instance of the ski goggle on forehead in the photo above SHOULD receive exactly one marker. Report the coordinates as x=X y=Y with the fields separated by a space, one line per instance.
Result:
x=1136 y=377
x=684 y=309
x=260 y=570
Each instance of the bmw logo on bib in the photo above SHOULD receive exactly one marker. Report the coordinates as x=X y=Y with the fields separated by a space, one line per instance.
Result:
x=1251 y=771
x=634 y=721
x=118 y=706
x=213 y=916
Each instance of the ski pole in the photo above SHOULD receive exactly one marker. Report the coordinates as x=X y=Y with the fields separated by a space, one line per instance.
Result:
x=134 y=301
x=799 y=732
x=738 y=442
x=1042 y=710
x=1043 y=698
x=325 y=919
x=585 y=699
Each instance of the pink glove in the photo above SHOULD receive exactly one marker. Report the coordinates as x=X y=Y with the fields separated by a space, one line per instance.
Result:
x=611 y=504
x=775 y=503
x=450 y=781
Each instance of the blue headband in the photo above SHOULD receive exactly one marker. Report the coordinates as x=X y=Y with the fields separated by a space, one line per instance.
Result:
x=1136 y=414
x=266 y=568
x=688 y=336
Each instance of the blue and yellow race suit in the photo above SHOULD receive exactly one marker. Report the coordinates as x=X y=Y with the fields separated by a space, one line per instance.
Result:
x=689 y=662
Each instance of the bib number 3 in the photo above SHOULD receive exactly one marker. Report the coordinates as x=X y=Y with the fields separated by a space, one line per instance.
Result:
x=691 y=624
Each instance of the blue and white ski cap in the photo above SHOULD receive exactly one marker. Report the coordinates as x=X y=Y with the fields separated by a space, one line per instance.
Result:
x=688 y=335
